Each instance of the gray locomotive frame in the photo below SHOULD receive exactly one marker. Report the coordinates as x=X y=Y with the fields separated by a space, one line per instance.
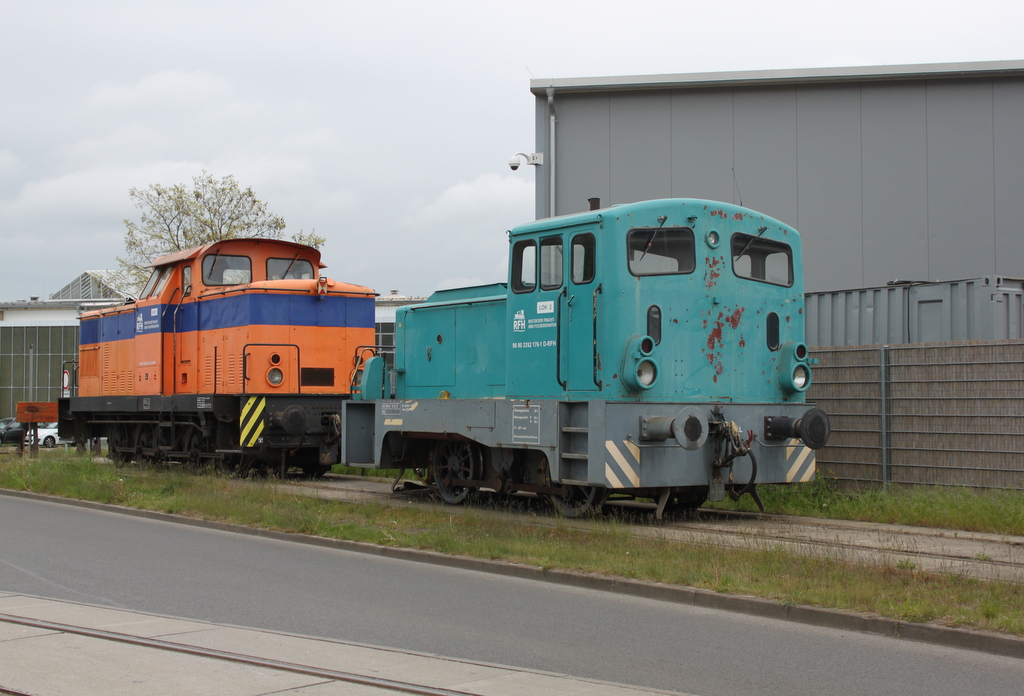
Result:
x=617 y=445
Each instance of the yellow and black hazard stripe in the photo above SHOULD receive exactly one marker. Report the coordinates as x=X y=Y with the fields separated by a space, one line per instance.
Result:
x=252 y=422
x=621 y=469
x=800 y=463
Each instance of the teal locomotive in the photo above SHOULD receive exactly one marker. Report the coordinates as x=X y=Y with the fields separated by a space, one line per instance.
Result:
x=652 y=350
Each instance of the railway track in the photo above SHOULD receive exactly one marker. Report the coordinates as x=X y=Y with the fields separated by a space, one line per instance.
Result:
x=53 y=646
x=374 y=685
x=972 y=554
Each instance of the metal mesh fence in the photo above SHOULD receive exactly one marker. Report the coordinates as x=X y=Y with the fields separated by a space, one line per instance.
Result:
x=939 y=414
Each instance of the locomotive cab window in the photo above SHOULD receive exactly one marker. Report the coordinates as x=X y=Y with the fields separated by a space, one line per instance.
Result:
x=661 y=251
x=157 y=282
x=763 y=260
x=289 y=269
x=220 y=269
x=524 y=266
x=151 y=283
x=165 y=275
x=551 y=263
x=583 y=258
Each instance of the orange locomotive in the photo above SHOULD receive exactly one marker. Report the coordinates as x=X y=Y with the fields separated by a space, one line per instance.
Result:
x=221 y=336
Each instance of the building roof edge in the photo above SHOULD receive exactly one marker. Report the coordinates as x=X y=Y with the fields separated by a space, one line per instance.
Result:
x=879 y=73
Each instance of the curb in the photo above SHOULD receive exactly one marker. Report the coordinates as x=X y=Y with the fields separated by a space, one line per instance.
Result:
x=946 y=636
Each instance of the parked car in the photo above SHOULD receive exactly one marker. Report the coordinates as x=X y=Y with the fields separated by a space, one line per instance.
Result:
x=6 y=423
x=47 y=435
x=11 y=435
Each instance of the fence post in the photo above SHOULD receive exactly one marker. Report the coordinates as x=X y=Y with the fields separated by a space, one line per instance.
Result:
x=883 y=383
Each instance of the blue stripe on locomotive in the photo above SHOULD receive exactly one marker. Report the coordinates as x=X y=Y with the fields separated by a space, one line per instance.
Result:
x=231 y=312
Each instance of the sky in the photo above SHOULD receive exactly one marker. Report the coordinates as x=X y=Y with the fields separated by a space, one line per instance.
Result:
x=385 y=126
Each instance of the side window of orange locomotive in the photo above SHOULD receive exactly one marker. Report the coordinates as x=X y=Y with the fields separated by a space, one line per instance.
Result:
x=220 y=269
x=156 y=283
x=165 y=275
x=524 y=266
x=583 y=258
x=551 y=263
x=289 y=269
x=186 y=281
x=150 y=284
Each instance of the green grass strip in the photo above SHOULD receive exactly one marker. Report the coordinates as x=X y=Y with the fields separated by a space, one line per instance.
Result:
x=605 y=547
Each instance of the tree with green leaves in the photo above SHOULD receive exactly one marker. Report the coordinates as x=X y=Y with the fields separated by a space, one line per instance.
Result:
x=178 y=217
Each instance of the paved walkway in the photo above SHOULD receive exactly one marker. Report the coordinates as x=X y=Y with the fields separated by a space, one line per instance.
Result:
x=51 y=648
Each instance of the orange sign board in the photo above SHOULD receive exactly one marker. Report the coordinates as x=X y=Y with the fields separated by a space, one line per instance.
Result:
x=37 y=411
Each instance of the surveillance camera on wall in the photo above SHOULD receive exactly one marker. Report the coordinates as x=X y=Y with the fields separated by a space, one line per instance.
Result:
x=534 y=158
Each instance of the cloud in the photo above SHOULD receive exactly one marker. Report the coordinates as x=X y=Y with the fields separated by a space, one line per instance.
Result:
x=392 y=144
x=463 y=205
x=454 y=239
x=9 y=163
x=180 y=90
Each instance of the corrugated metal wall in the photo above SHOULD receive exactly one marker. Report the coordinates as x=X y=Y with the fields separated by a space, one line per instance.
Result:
x=989 y=308
x=917 y=179
x=941 y=414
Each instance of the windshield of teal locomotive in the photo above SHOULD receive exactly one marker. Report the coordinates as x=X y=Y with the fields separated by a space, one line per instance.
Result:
x=763 y=260
x=661 y=251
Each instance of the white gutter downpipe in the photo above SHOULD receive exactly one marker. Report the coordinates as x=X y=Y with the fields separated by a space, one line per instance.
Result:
x=551 y=152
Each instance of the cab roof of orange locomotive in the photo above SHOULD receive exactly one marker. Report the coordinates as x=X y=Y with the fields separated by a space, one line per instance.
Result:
x=259 y=249
x=256 y=249
x=241 y=245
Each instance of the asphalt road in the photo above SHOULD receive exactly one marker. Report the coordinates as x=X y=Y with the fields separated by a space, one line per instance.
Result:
x=109 y=559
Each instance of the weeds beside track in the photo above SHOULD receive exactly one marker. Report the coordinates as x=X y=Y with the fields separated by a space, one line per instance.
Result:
x=601 y=546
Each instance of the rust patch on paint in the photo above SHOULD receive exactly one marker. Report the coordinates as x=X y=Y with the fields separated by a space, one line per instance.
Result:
x=712 y=274
x=716 y=334
x=716 y=338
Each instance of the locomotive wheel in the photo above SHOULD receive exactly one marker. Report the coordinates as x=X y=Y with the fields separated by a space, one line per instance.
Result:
x=145 y=441
x=192 y=446
x=582 y=500
x=118 y=446
x=455 y=461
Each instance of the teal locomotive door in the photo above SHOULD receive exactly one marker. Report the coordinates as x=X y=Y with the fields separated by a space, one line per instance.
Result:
x=533 y=305
x=580 y=307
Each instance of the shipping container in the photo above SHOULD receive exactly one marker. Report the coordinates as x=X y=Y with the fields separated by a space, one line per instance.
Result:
x=988 y=308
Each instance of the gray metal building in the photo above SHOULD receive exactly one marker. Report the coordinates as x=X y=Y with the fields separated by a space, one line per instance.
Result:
x=898 y=172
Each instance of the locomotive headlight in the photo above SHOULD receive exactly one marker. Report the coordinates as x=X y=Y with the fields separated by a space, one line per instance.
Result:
x=801 y=377
x=275 y=376
x=646 y=373
x=639 y=369
x=794 y=372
